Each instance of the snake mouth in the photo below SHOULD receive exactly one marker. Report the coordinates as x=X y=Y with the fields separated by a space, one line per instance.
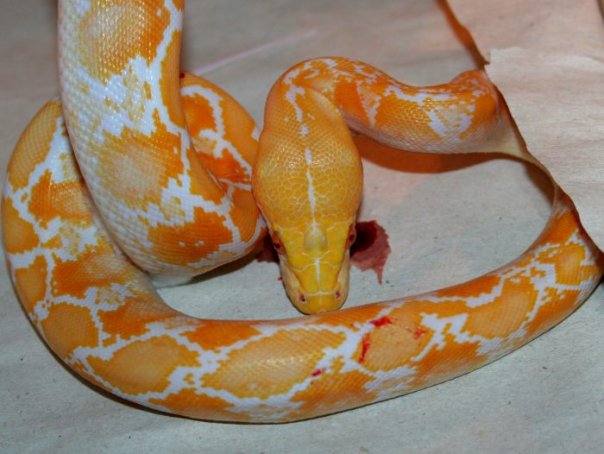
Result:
x=319 y=302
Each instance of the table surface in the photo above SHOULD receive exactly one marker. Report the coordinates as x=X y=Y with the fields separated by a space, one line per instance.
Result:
x=448 y=219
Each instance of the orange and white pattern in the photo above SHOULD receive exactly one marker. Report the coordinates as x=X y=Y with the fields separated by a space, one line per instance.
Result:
x=308 y=176
x=120 y=91
x=145 y=173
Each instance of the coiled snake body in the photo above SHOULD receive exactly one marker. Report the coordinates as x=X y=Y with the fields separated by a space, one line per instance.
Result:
x=164 y=170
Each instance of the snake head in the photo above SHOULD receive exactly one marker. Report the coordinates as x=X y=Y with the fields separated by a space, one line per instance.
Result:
x=315 y=263
x=308 y=184
x=310 y=210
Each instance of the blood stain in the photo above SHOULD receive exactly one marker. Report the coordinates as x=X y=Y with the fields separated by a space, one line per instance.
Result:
x=382 y=321
x=419 y=332
x=371 y=249
x=365 y=344
x=317 y=372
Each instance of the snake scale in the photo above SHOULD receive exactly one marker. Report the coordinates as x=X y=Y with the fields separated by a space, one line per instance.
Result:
x=141 y=173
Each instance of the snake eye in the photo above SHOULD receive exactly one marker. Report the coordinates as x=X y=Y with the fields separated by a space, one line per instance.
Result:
x=277 y=244
x=352 y=236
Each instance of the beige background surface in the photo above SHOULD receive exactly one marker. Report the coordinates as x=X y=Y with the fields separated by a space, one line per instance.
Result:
x=547 y=58
x=448 y=219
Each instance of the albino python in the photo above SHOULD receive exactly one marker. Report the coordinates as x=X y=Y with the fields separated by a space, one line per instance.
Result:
x=167 y=162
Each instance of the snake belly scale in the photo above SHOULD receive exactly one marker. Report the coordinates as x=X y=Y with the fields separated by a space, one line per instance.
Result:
x=135 y=163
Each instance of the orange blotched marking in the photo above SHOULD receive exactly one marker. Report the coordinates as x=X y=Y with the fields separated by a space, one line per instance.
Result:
x=154 y=359
x=68 y=201
x=200 y=116
x=567 y=262
x=34 y=144
x=332 y=391
x=131 y=319
x=198 y=113
x=135 y=167
x=117 y=39
x=190 y=403
x=56 y=242
x=80 y=368
x=394 y=114
x=189 y=242
x=349 y=101
x=68 y=327
x=202 y=183
x=477 y=287
x=243 y=205
x=558 y=305
x=239 y=128
x=443 y=363
x=390 y=345
x=31 y=283
x=495 y=319
x=96 y=267
x=224 y=167
x=19 y=235
x=350 y=318
x=217 y=334
x=272 y=365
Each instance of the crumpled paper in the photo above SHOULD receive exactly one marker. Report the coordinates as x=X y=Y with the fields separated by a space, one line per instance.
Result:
x=547 y=59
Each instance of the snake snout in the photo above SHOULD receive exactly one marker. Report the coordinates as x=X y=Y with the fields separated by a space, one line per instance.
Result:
x=319 y=302
x=323 y=291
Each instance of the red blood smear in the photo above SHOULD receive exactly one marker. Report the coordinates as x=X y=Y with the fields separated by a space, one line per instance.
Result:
x=419 y=332
x=367 y=233
x=317 y=372
x=365 y=344
x=267 y=252
x=381 y=322
x=371 y=248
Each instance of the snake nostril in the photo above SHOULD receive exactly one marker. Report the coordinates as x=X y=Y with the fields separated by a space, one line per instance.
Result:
x=302 y=298
x=338 y=295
